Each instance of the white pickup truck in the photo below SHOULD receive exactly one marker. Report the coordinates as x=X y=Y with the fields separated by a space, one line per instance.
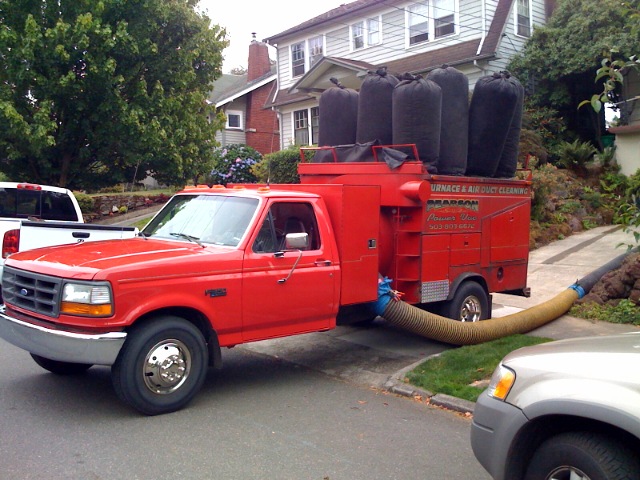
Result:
x=33 y=216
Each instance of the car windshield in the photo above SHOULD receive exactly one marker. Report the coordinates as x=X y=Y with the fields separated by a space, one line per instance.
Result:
x=216 y=219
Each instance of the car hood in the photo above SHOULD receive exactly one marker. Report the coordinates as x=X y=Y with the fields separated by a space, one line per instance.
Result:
x=98 y=260
x=590 y=369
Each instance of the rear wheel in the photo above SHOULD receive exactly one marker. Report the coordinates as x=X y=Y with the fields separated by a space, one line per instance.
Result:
x=161 y=366
x=60 y=368
x=469 y=304
x=583 y=456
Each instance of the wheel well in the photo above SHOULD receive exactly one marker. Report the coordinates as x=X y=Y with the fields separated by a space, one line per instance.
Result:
x=198 y=319
x=539 y=430
x=469 y=276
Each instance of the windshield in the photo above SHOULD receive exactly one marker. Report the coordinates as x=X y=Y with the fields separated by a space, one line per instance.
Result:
x=216 y=219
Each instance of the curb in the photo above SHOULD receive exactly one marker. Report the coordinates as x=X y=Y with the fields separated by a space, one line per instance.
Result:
x=395 y=384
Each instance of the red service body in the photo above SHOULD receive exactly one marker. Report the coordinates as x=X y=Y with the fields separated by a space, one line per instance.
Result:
x=217 y=267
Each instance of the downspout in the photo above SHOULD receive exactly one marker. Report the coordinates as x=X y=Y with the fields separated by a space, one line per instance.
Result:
x=483 y=29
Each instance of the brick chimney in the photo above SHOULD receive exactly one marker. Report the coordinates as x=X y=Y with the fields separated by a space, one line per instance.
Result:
x=258 y=59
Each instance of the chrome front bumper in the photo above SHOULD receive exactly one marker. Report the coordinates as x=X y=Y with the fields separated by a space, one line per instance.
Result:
x=93 y=349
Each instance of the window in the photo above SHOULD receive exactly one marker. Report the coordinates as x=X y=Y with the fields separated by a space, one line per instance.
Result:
x=373 y=31
x=357 y=35
x=444 y=17
x=234 y=120
x=523 y=18
x=316 y=50
x=418 y=22
x=301 y=127
x=284 y=218
x=365 y=33
x=315 y=125
x=305 y=131
x=297 y=59
x=431 y=19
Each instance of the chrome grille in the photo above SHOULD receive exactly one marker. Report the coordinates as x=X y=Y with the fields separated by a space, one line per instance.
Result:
x=31 y=291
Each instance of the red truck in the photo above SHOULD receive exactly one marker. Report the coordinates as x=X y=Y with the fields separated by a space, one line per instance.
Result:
x=218 y=267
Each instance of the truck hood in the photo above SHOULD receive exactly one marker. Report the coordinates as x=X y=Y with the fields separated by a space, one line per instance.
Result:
x=137 y=257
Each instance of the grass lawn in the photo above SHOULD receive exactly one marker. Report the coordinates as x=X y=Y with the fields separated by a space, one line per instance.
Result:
x=453 y=372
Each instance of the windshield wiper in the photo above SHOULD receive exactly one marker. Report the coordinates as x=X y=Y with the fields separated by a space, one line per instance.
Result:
x=191 y=238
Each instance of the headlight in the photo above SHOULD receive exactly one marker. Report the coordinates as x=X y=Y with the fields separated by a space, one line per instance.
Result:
x=87 y=299
x=501 y=382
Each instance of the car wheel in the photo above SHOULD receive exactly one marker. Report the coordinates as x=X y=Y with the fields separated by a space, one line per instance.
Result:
x=60 y=368
x=161 y=366
x=582 y=456
x=469 y=304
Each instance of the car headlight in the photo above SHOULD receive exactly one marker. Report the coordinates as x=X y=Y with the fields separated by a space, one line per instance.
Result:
x=502 y=380
x=87 y=299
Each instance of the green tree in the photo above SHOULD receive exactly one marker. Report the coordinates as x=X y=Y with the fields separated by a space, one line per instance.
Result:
x=95 y=92
x=559 y=59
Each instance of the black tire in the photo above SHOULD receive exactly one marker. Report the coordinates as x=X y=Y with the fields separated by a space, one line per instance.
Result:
x=60 y=368
x=161 y=366
x=584 y=456
x=469 y=304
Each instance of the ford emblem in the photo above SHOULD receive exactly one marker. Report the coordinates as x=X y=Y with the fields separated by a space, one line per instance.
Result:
x=24 y=292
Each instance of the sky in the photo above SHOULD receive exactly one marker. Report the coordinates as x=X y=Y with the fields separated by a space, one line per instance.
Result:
x=242 y=17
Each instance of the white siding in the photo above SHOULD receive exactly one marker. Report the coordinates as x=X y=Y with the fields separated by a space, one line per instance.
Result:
x=473 y=21
x=227 y=136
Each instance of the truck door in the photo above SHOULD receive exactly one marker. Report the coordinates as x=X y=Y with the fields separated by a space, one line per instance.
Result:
x=288 y=291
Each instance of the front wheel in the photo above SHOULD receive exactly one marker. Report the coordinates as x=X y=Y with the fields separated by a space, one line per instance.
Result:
x=161 y=366
x=469 y=304
x=60 y=368
x=583 y=456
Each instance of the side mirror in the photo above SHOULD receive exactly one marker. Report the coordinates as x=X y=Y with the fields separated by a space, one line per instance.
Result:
x=296 y=241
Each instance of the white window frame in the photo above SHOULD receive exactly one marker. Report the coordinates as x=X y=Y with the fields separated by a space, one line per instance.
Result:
x=237 y=113
x=428 y=11
x=364 y=30
x=516 y=15
x=315 y=57
x=295 y=62
x=444 y=12
x=311 y=117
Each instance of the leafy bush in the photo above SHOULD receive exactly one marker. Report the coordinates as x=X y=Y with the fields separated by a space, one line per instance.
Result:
x=575 y=155
x=234 y=164
x=85 y=201
x=279 y=167
x=624 y=312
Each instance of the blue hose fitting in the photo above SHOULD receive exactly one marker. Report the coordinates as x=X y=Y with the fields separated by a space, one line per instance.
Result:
x=579 y=290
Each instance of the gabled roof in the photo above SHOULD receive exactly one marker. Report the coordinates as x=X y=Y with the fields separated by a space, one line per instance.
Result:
x=316 y=79
x=326 y=17
x=230 y=87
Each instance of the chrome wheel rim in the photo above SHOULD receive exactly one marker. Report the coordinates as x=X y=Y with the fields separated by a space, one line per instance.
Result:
x=166 y=366
x=567 y=473
x=471 y=309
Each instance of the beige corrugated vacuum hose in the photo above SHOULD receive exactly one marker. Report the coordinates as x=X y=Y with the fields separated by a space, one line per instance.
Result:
x=454 y=332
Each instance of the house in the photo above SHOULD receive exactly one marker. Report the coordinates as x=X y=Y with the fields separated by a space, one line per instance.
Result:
x=242 y=99
x=478 y=37
x=628 y=132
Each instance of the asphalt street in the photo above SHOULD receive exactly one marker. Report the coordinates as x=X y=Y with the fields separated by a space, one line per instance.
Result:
x=258 y=418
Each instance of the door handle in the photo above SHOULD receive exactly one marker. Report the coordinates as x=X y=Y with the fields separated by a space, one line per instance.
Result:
x=322 y=263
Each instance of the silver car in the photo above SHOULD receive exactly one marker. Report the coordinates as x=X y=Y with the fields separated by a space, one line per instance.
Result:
x=564 y=410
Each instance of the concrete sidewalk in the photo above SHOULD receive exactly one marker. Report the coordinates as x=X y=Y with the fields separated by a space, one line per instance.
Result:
x=557 y=266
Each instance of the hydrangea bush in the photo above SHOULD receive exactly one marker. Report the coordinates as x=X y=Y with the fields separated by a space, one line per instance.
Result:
x=234 y=164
